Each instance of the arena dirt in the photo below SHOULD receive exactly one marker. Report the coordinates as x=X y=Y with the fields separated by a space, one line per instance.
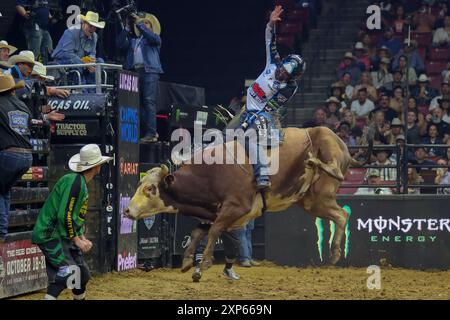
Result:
x=267 y=282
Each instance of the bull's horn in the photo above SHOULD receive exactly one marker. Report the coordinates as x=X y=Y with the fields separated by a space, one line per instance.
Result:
x=164 y=171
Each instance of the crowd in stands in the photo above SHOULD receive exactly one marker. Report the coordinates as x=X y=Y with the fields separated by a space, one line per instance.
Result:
x=386 y=70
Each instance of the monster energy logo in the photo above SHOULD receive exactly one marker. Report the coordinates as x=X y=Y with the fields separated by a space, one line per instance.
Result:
x=320 y=238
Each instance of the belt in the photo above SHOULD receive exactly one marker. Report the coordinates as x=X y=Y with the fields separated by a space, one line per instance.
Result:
x=138 y=66
x=18 y=150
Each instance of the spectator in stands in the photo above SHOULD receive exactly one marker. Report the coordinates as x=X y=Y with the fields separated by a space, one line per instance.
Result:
x=413 y=135
x=396 y=130
x=370 y=47
x=361 y=57
x=400 y=143
x=344 y=132
x=356 y=131
x=443 y=12
x=444 y=104
x=446 y=72
x=435 y=117
x=421 y=121
x=366 y=82
x=381 y=128
x=432 y=138
x=142 y=55
x=397 y=100
x=421 y=159
x=400 y=21
x=349 y=66
x=445 y=93
x=386 y=174
x=389 y=113
x=447 y=157
x=403 y=67
x=414 y=178
x=388 y=40
x=382 y=76
x=39 y=73
x=5 y=51
x=412 y=55
x=383 y=52
x=373 y=179
x=362 y=106
x=423 y=20
x=337 y=91
x=443 y=177
x=22 y=65
x=333 y=114
x=78 y=45
x=37 y=17
x=347 y=83
x=320 y=118
x=397 y=81
x=15 y=147
x=424 y=93
x=441 y=36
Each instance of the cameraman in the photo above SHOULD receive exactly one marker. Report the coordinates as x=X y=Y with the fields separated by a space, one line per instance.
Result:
x=373 y=180
x=36 y=26
x=142 y=43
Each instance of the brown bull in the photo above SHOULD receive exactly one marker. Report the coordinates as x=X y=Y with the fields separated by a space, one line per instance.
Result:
x=313 y=163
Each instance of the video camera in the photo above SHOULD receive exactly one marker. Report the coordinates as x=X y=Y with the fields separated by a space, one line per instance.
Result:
x=127 y=10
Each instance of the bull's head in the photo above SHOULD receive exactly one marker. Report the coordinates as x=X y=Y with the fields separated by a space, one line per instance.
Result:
x=147 y=201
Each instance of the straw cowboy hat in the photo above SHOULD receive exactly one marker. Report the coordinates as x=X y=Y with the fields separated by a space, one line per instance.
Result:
x=89 y=157
x=156 y=26
x=332 y=100
x=349 y=55
x=7 y=83
x=92 y=18
x=424 y=78
x=4 y=44
x=40 y=70
x=23 y=56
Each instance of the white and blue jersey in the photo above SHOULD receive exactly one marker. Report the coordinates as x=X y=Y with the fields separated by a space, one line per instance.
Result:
x=266 y=86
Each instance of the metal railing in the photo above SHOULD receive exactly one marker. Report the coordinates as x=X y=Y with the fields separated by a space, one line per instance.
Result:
x=401 y=151
x=100 y=68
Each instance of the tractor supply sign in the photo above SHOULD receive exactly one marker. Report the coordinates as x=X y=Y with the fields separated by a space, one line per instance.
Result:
x=22 y=268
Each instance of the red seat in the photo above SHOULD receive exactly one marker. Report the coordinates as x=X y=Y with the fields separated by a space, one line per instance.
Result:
x=435 y=67
x=289 y=28
x=355 y=175
x=422 y=39
x=422 y=52
x=439 y=54
x=286 y=40
x=436 y=81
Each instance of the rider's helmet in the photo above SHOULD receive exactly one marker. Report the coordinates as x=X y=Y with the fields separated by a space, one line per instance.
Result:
x=294 y=65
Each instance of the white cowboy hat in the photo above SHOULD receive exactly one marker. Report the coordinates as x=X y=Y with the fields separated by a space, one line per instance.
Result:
x=156 y=26
x=7 y=83
x=92 y=18
x=424 y=78
x=23 y=56
x=4 y=44
x=89 y=157
x=40 y=70
x=359 y=46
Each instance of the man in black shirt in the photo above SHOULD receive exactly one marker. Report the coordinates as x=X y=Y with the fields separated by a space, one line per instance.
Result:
x=389 y=113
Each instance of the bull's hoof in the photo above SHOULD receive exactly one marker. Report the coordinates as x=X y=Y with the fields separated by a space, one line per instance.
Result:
x=335 y=257
x=197 y=275
x=188 y=263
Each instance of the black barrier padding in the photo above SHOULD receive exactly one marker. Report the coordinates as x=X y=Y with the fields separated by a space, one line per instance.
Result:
x=173 y=93
x=77 y=130
x=292 y=237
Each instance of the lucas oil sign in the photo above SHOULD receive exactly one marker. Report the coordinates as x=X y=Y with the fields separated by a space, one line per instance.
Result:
x=80 y=105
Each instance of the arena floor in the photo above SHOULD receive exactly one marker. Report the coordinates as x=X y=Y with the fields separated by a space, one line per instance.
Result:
x=266 y=282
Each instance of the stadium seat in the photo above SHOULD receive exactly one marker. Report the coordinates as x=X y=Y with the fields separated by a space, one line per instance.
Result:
x=436 y=81
x=286 y=40
x=422 y=52
x=355 y=175
x=422 y=39
x=439 y=54
x=289 y=28
x=435 y=67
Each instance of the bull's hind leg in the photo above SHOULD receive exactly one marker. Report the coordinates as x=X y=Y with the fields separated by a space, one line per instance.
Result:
x=196 y=236
x=322 y=203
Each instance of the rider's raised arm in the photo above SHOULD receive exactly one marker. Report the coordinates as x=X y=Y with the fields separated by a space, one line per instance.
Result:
x=271 y=48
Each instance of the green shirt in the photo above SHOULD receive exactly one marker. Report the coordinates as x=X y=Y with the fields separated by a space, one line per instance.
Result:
x=63 y=214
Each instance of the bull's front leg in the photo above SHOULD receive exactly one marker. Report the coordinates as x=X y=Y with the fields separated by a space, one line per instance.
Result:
x=196 y=236
x=214 y=233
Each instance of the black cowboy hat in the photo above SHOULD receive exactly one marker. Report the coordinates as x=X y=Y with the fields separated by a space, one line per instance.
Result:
x=377 y=151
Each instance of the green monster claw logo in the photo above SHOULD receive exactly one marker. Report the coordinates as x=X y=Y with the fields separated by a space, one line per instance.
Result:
x=320 y=238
